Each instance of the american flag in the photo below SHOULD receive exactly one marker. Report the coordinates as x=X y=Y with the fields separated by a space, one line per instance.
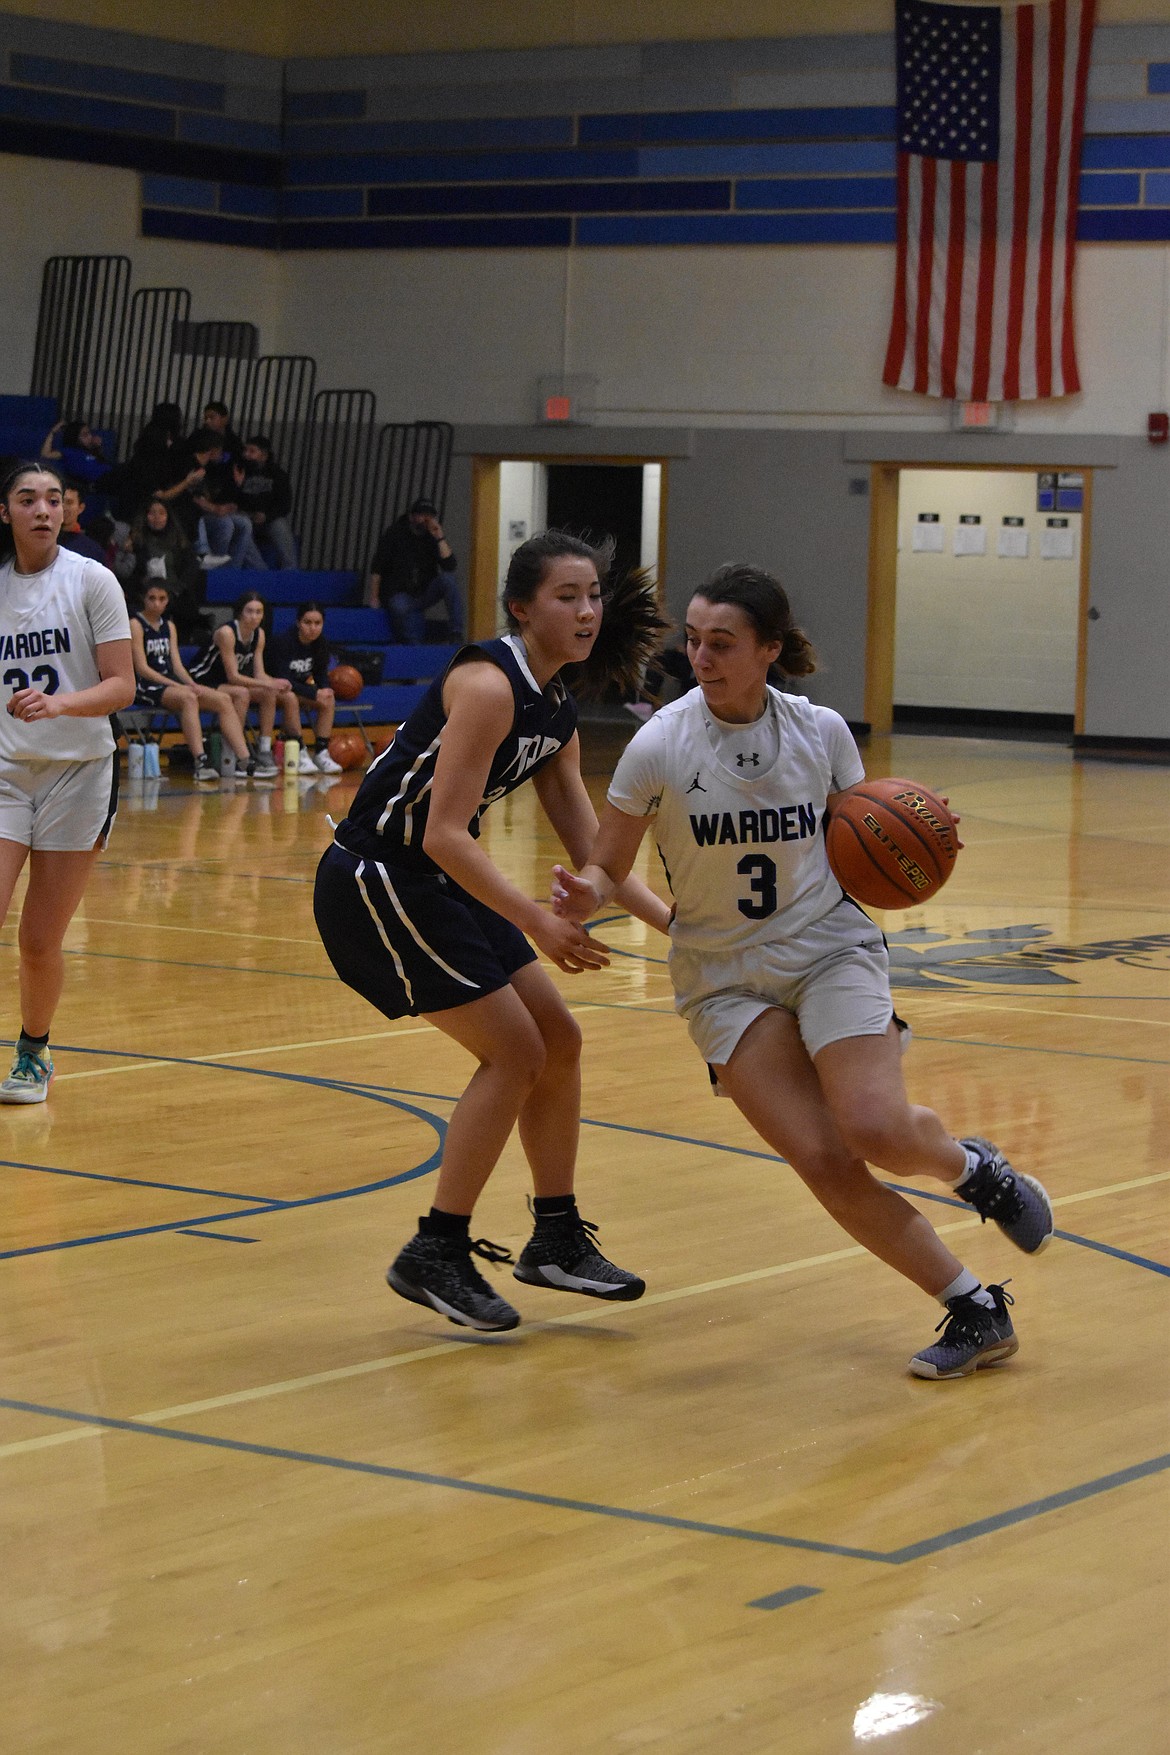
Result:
x=991 y=104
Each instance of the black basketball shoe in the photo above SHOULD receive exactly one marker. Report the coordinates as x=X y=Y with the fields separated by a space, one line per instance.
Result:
x=1018 y=1204
x=976 y=1336
x=561 y=1253
x=439 y=1272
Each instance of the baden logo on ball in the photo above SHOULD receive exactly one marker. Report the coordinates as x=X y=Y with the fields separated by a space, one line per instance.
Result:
x=891 y=843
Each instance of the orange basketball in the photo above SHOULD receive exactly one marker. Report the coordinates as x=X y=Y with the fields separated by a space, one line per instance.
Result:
x=346 y=682
x=891 y=843
x=348 y=749
x=381 y=741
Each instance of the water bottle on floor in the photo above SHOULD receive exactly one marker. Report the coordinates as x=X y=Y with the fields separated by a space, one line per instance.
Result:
x=151 y=767
x=292 y=755
x=134 y=760
x=227 y=762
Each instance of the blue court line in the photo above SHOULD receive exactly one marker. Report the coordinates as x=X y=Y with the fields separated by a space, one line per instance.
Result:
x=134 y=1182
x=953 y=1538
x=216 y=1236
x=779 y=1599
x=423 y=1478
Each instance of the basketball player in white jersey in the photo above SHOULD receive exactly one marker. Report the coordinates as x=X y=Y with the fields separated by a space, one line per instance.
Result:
x=782 y=979
x=65 y=666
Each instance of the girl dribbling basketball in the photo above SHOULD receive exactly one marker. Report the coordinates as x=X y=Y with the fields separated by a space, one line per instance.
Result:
x=417 y=918
x=783 y=981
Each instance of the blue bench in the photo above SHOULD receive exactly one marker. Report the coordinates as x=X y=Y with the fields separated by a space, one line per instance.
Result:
x=291 y=586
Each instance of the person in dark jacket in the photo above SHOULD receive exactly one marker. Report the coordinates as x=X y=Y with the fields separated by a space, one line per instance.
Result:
x=264 y=494
x=413 y=567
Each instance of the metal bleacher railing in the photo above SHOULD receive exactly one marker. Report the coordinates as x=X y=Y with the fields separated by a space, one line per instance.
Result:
x=108 y=356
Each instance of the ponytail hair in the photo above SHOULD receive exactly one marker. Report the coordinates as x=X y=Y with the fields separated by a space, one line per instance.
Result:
x=631 y=626
x=16 y=468
x=765 y=603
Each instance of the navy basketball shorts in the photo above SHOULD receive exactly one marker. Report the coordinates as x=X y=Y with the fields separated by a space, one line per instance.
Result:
x=411 y=942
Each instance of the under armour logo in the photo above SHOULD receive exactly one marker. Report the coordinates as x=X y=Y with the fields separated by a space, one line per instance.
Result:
x=694 y=785
x=743 y=760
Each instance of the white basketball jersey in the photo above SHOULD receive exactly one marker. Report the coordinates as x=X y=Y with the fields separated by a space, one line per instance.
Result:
x=50 y=623
x=742 y=845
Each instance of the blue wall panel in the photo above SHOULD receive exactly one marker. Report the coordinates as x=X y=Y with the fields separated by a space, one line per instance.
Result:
x=85 y=112
x=1142 y=152
x=323 y=106
x=1133 y=225
x=210 y=228
x=428 y=234
x=841 y=123
x=826 y=158
x=121 y=82
x=1159 y=78
x=188 y=192
x=231 y=131
x=435 y=134
x=249 y=202
x=1109 y=190
x=632 y=197
x=323 y=203
x=745 y=228
x=816 y=192
x=457 y=167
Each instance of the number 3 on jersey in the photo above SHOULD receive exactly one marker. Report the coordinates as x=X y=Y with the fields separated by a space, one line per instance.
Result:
x=762 y=872
x=44 y=677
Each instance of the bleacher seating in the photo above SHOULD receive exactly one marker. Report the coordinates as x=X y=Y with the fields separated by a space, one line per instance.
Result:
x=24 y=421
x=406 y=670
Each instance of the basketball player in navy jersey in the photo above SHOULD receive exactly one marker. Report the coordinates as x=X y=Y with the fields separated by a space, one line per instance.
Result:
x=782 y=979
x=65 y=667
x=235 y=661
x=417 y=918
x=162 y=682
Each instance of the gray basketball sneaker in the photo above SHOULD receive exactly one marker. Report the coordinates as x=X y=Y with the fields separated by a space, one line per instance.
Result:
x=439 y=1272
x=561 y=1253
x=974 y=1337
x=1018 y=1204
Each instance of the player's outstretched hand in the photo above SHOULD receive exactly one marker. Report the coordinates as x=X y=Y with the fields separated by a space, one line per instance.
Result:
x=569 y=946
x=572 y=897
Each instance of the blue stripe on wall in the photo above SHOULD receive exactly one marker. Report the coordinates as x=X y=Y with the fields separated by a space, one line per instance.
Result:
x=826 y=123
x=1107 y=190
x=249 y=202
x=432 y=134
x=812 y=158
x=1137 y=152
x=210 y=228
x=458 y=167
x=737 y=228
x=1159 y=78
x=1157 y=189
x=816 y=192
x=231 y=131
x=323 y=106
x=429 y=234
x=189 y=192
x=46 y=106
x=634 y=197
x=323 y=203
x=1140 y=225
x=122 y=82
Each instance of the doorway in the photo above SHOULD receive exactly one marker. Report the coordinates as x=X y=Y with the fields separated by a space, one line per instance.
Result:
x=978 y=593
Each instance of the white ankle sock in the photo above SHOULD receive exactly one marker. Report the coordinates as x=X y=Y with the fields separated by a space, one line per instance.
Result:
x=965 y=1285
x=265 y=745
x=973 y=1162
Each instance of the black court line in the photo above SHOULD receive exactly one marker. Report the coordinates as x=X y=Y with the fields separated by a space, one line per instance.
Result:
x=215 y=1236
x=894 y=1557
x=138 y=1181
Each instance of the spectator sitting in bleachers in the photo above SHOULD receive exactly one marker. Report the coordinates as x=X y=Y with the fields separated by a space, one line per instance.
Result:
x=217 y=417
x=163 y=684
x=412 y=569
x=302 y=656
x=151 y=467
x=201 y=495
x=78 y=449
x=72 y=535
x=160 y=553
x=265 y=494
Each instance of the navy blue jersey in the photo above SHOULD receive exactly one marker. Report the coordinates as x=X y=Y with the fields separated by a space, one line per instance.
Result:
x=157 y=642
x=388 y=817
x=306 y=667
x=208 y=667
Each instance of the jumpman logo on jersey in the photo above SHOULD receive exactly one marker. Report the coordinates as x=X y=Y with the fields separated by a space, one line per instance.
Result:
x=694 y=785
x=743 y=760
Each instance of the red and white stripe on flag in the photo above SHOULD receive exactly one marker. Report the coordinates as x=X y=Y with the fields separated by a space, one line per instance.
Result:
x=983 y=301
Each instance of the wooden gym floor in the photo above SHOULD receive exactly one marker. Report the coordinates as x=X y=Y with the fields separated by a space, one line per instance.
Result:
x=253 y=1503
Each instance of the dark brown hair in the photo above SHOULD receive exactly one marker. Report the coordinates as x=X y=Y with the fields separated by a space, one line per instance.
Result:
x=631 y=627
x=765 y=603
